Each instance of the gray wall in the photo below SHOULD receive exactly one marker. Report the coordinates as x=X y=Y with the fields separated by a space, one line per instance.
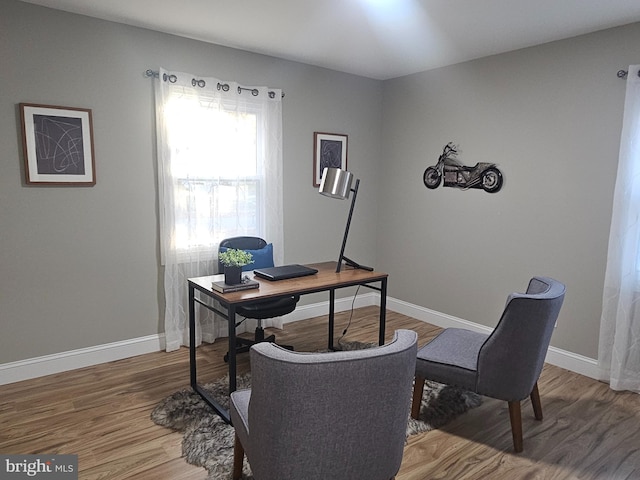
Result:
x=550 y=117
x=79 y=266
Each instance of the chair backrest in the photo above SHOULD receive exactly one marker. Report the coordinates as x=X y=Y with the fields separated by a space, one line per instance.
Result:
x=511 y=360
x=261 y=250
x=322 y=416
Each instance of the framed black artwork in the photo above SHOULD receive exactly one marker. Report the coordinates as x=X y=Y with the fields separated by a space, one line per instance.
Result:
x=329 y=151
x=58 y=145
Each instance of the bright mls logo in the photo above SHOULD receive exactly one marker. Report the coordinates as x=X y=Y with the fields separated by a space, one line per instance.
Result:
x=50 y=467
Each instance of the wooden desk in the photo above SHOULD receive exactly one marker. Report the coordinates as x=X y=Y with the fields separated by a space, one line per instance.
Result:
x=326 y=280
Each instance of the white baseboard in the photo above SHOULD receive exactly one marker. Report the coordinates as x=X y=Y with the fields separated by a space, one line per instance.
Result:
x=555 y=356
x=85 y=357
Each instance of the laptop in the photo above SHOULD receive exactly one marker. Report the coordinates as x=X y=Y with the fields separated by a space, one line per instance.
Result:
x=284 y=271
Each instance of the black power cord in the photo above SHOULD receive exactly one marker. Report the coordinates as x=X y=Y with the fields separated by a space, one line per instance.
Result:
x=353 y=302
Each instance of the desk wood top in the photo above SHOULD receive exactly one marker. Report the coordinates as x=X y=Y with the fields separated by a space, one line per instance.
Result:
x=324 y=280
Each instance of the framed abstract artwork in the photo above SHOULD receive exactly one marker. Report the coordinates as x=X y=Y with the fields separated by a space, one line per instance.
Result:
x=329 y=150
x=58 y=145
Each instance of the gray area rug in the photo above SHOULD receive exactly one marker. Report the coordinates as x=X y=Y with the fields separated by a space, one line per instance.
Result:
x=208 y=441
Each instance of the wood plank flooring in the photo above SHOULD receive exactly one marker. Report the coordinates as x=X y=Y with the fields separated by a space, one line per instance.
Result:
x=102 y=413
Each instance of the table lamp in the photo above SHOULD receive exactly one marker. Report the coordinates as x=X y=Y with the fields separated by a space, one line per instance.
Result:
x=336 y=183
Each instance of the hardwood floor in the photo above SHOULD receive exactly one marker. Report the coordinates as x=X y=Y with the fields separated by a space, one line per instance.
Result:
x=102 y=413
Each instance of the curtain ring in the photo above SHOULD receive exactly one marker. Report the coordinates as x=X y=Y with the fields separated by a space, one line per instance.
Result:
x=223 y=86
x=198 y=83
x=171 y=78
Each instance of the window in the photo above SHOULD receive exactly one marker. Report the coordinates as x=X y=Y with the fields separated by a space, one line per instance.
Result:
x=219 y=175
x=217 y=170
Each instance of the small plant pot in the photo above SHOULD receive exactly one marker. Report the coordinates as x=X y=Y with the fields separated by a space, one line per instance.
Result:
x=232 y=275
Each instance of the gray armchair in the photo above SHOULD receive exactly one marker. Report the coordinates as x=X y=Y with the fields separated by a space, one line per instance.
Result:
x=323 y=416
x=504 y=365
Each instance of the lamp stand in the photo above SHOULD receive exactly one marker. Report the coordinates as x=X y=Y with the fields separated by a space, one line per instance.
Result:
x=342 y=257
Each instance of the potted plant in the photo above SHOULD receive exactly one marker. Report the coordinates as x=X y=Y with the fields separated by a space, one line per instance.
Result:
x=233 y=260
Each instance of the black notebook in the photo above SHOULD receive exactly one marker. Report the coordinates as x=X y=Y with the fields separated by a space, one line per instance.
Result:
x=284 y=271
x=223 y=287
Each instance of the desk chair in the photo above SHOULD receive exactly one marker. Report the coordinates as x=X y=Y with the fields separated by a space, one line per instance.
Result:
x=262 y=257
x=504 y=365
x=325 y=416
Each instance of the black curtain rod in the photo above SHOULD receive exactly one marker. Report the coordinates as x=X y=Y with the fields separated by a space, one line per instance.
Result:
x=201 y=83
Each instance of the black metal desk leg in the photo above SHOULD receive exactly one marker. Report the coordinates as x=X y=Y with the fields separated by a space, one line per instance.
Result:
x=232 y=347
x=206 y=396
x=192 y=337
x=383 y=310
x=332 y=306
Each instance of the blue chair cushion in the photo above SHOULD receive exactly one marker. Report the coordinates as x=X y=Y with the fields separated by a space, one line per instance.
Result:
x=262 y=258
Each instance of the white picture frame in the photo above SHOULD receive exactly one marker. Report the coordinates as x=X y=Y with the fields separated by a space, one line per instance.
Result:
x=58 y=145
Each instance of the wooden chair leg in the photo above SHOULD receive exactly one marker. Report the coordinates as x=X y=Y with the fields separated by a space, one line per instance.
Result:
x=238 y=458
x=418 y=387
x=516 y=425
x=535 y=402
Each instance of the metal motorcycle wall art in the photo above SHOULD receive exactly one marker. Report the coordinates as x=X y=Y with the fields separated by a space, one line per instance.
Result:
x=483 y=175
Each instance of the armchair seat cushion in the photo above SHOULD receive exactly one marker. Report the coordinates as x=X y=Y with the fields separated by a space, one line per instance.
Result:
x=452 y=357
x=239 y=413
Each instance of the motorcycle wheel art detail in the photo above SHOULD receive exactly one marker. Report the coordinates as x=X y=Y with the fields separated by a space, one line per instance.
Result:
x=483 y=175
x=491 y=180
x=432 y=177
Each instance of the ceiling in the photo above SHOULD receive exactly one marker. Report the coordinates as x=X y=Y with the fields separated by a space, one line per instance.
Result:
x=379 y=39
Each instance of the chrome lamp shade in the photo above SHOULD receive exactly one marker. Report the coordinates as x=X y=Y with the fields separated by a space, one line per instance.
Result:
x=336 y=183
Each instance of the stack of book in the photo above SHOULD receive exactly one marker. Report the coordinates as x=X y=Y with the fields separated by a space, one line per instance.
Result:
x=226 y=288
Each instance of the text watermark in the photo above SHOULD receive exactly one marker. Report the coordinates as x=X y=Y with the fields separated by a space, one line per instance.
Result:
x=50 y=467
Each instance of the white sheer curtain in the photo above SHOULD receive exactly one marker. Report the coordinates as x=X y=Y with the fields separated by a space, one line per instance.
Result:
x=619 y=349
x=219 y=175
